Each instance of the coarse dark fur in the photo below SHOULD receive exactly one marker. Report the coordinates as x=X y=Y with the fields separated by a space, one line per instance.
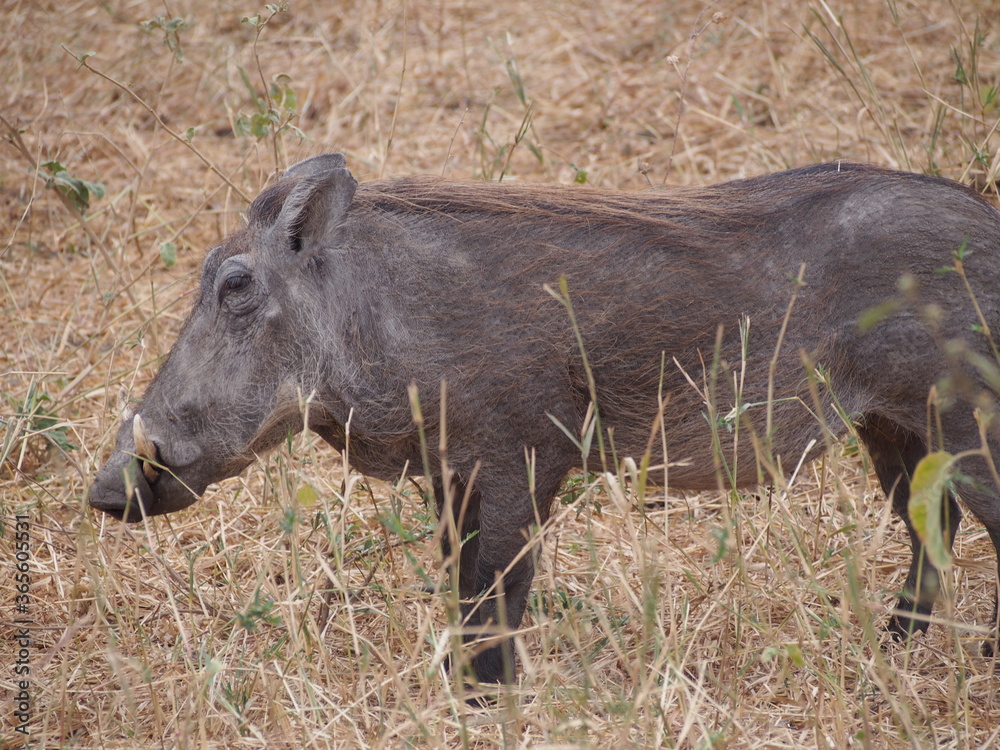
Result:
x=350 y=294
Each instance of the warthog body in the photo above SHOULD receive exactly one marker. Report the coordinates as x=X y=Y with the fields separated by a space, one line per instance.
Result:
x=353 y=293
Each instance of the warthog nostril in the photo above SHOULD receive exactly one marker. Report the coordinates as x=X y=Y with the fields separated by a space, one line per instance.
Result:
x=145 y=448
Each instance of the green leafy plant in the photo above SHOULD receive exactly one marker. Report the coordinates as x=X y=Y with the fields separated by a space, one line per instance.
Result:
x=171 y=32
x=927 y=488
x=273 y=114
x=260 y=610
x=78 y=190
x=36 y=415
x=278 y=106
x=168 y=253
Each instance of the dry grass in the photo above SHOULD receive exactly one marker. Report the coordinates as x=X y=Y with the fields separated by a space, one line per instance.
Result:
x=283 y=610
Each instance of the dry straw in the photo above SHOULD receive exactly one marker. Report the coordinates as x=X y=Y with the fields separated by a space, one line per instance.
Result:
x=289 y=607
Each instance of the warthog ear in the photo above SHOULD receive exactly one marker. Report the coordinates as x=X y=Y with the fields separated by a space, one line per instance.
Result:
x=316 y=165
x=317 y=204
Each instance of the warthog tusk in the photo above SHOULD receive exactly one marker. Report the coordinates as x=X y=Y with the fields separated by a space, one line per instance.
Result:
x=145 y=448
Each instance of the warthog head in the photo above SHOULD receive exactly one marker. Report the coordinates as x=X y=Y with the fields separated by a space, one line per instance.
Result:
x=245 y=361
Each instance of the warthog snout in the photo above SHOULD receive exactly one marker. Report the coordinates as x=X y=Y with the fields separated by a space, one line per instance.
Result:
x=139 y=480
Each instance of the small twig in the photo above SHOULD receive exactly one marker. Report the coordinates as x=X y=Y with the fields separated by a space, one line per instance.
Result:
x=18 y=142
x=699 y=28
x=519 y=136
x=453 y=137
x=399 y=96
x=176 y=136
x=772 y=369
x=267 y=93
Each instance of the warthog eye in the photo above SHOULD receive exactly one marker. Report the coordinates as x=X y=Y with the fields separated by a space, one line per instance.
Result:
x=235 y=282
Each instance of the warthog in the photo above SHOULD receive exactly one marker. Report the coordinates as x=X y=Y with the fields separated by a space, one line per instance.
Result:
x=350 y=293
